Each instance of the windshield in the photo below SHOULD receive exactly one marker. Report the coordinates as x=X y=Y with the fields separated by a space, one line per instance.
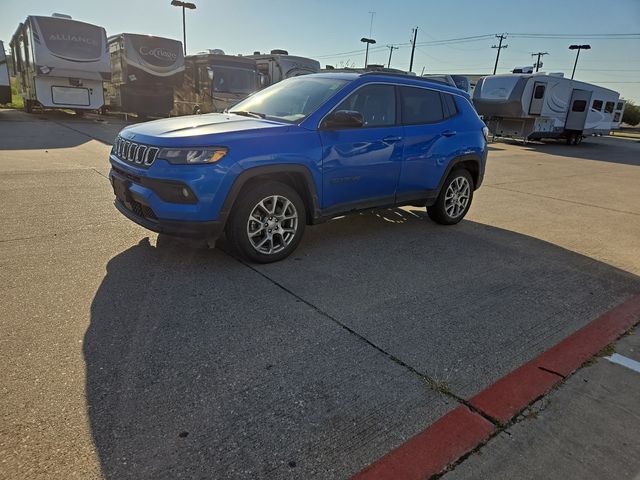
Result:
x=291 y=100
x=228 y=79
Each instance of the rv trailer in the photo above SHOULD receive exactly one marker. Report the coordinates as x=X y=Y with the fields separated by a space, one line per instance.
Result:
x=5 y=85
x=60 y=63
x=278 y=65
x=144 y=72
x=540 y=105
x=214 y=82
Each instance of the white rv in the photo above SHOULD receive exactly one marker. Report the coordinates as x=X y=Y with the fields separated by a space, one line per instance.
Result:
x=60 y=63
x=278 y=65
x=540 y=105
x=5 y=85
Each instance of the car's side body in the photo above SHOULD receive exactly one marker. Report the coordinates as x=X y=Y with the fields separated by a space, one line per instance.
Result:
x=335 y=171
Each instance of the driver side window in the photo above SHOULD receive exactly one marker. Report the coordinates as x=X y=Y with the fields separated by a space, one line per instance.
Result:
x=376 y=103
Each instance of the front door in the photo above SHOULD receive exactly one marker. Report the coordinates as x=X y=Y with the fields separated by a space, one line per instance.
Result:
x=537 y=98
x=361 y=165
x=578 y=109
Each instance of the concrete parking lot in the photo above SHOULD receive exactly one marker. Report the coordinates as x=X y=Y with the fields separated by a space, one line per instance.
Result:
x=126 y=355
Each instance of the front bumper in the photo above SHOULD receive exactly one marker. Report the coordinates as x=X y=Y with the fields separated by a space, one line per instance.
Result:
x=205 y=230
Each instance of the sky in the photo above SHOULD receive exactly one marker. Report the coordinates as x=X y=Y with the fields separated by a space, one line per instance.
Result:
x=330 y=31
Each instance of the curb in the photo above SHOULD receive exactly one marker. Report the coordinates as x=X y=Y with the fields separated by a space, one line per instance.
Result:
x=460 y=431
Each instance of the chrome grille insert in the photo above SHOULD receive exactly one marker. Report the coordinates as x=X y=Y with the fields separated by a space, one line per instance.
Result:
x=133 y=152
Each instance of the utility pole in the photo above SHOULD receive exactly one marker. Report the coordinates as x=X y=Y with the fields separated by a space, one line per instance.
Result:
x=413 y=47
x=373 y=14
x=578 y=47
x=539 y=54
x=502 y=36
x=391 y=49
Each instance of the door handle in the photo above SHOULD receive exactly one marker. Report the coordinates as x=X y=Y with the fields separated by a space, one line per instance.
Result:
x=449 y=133
x=391 y=139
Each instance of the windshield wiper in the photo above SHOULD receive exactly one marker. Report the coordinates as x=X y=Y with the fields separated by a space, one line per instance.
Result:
x=248 y=114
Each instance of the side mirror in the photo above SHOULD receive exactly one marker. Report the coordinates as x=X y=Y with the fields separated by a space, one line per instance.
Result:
x=343 y=119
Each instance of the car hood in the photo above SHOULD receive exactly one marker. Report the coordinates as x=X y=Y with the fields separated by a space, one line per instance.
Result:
x=195 y=127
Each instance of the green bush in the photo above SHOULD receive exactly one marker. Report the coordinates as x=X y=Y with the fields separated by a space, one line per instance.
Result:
x=16 y=99
x=631 y=114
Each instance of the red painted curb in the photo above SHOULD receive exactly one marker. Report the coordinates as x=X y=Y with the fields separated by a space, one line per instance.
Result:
x=430 y=451
x=461 y=430
x=513 y=392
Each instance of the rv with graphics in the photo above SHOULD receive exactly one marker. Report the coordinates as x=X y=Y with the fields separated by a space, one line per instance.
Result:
x=214 y=82
x=5 y=85
x=144 y=72
x=278 y=65
x=60 y=63
x=540 y=105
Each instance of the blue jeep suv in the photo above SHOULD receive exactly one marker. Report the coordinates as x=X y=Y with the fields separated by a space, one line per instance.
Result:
x=299 y=152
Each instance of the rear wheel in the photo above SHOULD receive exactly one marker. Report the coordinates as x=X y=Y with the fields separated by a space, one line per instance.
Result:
x=454 y=200
x=266 y=223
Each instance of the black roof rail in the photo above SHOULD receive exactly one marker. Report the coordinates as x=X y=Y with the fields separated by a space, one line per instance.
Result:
x=406 y=75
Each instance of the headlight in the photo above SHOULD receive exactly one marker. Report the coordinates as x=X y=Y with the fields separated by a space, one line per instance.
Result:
x=185 y=156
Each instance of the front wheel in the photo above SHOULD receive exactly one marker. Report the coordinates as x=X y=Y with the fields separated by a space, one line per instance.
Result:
x=454 y=200
x=266 y=223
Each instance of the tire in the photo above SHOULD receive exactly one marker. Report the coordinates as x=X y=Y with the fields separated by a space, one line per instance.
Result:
x=278 y=207
x=454 y=199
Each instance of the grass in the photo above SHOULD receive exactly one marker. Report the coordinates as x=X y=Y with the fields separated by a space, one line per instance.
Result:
x=16 y=99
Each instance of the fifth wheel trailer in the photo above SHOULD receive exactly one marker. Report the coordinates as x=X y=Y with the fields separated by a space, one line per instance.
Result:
x=60 y=63
x=278 y=65
x=540 y=105
x=5 y=86
x=144 y=72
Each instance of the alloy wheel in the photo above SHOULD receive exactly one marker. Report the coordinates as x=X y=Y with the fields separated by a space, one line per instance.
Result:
x=272 y=224
x=457 y=197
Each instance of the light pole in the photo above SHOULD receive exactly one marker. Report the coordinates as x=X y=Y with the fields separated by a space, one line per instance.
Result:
x=577 y=47
x=368 y=41
x=184 y=5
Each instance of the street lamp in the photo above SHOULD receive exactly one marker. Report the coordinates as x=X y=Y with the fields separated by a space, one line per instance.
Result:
x=578 y=47
x=368 y=41
x=190 y=6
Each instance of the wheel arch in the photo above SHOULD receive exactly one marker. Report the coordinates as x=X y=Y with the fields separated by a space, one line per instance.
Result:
x=472 y=163
x=295 y=175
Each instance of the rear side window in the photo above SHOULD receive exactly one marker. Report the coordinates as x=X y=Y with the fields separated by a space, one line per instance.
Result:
x=420 y=106
x=376 y=103
x=449 y=105
x=597 y=105
x=608 y=107
x=579 y=106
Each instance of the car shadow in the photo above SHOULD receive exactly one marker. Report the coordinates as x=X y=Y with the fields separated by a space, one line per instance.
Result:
x=200 y=366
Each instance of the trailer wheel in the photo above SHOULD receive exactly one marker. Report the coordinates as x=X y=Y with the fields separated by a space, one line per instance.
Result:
x=197 y=110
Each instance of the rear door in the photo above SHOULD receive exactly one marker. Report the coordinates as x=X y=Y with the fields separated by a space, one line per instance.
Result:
x=578 y=109
x=431 y=124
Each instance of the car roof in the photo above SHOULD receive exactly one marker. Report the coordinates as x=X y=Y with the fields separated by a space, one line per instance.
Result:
x=395 y=78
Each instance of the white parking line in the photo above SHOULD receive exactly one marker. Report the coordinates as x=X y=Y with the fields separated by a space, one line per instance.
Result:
x=625 y=362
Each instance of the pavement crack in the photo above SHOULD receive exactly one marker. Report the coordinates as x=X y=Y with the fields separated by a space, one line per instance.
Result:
x=430 y=382
x=552 y=372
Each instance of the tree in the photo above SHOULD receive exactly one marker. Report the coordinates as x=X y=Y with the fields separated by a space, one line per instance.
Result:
x=631 y=114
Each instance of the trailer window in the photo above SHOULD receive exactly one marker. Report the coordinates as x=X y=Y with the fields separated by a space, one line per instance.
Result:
x=597 y=105
x=608 y=107
x=616 y=117
x=619 y=106
x=538 y=92
x=579 y=106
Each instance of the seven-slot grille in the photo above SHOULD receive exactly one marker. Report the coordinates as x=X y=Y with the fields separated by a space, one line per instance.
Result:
x=133 y=152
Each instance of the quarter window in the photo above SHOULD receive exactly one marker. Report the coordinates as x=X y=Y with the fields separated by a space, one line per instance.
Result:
x=376 y=103
x=579 y=106
x=608 y=107
x=449 y=104
x=597 y=105
x=420 y=105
